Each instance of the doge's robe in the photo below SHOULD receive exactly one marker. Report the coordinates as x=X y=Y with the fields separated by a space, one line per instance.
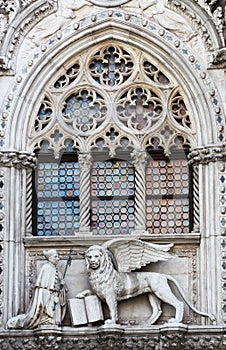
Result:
x=45 y=307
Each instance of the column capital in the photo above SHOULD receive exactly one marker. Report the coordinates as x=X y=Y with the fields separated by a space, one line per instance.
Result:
x=139 y=158
x=85 y=160
x=17 y=159
x=207 y=154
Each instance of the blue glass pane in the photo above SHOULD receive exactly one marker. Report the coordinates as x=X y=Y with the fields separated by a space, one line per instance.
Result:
x=57 y=218
x=54 y=180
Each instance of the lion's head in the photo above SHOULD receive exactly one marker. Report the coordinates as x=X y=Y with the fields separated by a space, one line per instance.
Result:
x=97 y=258
x=94 y=257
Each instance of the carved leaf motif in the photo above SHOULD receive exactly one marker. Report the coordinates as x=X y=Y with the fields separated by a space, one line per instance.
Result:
x=131 y=254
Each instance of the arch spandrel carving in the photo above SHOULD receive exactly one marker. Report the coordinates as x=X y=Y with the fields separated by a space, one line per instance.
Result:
x=158 y=45
x=33 y=14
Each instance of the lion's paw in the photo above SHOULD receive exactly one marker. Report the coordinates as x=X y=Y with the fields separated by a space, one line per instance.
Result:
x=173 y=320
x=110 y=321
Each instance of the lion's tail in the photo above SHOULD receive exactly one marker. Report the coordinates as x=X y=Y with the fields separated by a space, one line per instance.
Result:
x=204 y=314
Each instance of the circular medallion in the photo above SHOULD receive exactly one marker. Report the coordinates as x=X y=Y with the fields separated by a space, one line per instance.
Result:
x=108 y=3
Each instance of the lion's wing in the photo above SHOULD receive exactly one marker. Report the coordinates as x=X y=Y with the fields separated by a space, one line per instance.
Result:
x=131 y=254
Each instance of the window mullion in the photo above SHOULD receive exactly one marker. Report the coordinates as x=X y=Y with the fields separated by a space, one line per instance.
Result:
x=85 y=163
x=139 y=159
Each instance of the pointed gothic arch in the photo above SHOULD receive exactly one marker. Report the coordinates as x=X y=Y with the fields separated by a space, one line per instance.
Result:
x=160 y=45
x=174 y=57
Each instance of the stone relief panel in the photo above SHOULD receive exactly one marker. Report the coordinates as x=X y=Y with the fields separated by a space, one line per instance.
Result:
x=130 y=313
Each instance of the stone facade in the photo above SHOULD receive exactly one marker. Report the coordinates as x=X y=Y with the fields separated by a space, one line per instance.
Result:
x=175 y=53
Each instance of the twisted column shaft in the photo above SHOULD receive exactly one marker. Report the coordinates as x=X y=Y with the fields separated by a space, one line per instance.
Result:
x=29 y=197
x=196 y=214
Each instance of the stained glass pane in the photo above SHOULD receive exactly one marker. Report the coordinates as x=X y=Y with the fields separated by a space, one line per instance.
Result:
x=167 y=190
x=85 y=110
x=167 y=177
x=57 y=218
x=58 y=192
x=155 y=74
x=139 y=108
x=112 y=189
x=113 y=216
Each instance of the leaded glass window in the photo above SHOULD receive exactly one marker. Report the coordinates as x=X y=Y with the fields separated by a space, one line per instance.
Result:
x=112 y=188
x=114 y=100
x=57 y=187
x=168 y=185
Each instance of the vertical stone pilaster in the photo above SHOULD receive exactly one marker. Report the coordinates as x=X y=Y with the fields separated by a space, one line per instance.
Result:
x=85 y=163
x=139 y=161
x=14 y=164
x=222 y=198
x=212 y=266
x=2 y=229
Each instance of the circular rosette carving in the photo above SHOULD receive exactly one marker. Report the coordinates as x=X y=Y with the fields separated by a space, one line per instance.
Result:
x=84 y=110
x=111 y=66
x=139 y=108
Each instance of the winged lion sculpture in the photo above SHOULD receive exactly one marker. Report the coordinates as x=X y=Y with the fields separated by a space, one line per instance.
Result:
x=109 y=268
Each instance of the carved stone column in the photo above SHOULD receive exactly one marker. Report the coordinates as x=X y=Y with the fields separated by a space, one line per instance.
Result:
x=207 y=161
x=139 y=161
x=14 y=166
x=85 y=163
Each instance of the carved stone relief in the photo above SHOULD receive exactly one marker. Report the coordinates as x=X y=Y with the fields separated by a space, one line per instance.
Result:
x=48 y=306
x=17 y=159
x=113 y=284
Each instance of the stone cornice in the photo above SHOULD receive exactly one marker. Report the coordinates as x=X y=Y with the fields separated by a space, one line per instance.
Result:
x=84 y=240
x=207 y=154
x=17 y=159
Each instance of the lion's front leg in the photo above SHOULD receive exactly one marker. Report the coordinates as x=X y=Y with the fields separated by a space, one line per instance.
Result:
x=113 y=308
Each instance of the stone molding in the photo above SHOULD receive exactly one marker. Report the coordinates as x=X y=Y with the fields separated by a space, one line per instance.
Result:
x=161 y=337
x=17 y=159
x=31 y=12
x=207 y=154
x=15 y=30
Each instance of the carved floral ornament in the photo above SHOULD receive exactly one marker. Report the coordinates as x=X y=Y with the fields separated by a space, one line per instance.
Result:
x=117 y=97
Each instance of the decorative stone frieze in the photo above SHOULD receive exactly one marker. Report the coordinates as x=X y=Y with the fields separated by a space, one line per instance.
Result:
x=116 y=338
x=207 y=154
x=17 y=159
